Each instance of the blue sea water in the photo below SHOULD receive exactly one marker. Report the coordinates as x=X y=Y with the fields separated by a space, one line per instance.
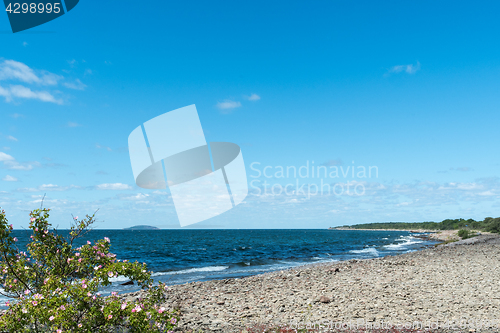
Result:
x=180 y=256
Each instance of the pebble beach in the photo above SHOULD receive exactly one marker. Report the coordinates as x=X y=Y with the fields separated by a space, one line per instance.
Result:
x=453 y=287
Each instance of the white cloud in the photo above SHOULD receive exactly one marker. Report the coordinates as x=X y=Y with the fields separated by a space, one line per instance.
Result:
x=11 y=138
x=410 y=69
x=98 y=146
x=228 y=105
x=15 y=165
x=115 y=186
x=72 y=124
x=48 y=188
x=139 y=196
x=5 y=157
x=8 y=178
x=20 y=76
x=77 y=85
x=20 y=91
x=11 y=163
x=17 y=115
x=15 y=70
x=253 y=97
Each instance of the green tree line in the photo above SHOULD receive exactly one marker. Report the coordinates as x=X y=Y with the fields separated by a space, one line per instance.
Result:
x=488 y=224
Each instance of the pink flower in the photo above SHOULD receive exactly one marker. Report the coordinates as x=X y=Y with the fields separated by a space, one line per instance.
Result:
x=76 y=217
x=173 y=321
x=59 y=331
x=26 y=292
x=79 y=325
x=88 y=242
x=24 y=310
x=52 y=318
x=110 y=316
x=35 y=303
x=161 y=310
x=89 y=294
x=124 y=305
x=84 y=286
x=110 y=274
x=114 y=293
x=107 y=239
x=15 y=239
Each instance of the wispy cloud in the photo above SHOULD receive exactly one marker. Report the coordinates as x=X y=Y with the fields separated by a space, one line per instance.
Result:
x=252 y=97
x=409 y=69
x=23 y=82
x=9 y=178
x=48 y=188
x=73 y=124
x=17 y=115
x=5 y=157
x=460 y=169
x=77 y=85
x=11 y=138
x=98 y=146
x=11 y=163
x=15 y=70
x=114 y=186
x=228 y=105
x=20 y=91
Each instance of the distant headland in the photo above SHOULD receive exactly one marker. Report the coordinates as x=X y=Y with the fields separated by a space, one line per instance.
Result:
x=142 y=227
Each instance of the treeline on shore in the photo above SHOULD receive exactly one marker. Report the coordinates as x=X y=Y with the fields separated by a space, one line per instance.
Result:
x=488 y=224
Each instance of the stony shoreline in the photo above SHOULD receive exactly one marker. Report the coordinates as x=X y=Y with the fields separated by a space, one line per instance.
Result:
x=448 y=283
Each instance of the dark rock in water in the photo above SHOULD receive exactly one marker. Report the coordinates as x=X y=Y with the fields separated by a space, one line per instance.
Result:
x=128 y=283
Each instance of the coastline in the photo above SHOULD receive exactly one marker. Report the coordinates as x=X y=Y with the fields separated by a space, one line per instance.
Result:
x=448 y=283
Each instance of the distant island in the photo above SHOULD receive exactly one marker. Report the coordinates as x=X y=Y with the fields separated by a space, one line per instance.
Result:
x=488 y=224
x=142 y=227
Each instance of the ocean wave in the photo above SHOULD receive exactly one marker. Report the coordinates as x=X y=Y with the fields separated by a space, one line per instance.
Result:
x=119 y=278
x=368 y=251
x=193 y=270
x=406 y=241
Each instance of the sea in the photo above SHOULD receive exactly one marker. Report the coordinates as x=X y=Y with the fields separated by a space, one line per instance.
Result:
x=187 y=255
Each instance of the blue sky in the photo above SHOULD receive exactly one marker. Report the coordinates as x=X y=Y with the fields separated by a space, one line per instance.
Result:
x=411 y=88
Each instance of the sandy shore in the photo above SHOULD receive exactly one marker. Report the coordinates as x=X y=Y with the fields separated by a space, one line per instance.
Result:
x=457 y=283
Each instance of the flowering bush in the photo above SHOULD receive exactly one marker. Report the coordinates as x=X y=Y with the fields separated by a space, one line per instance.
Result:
x=54 y=286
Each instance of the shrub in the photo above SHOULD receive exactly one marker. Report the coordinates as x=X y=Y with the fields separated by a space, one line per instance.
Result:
x=493 y=225
x=54 y=286
x=464 y=234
